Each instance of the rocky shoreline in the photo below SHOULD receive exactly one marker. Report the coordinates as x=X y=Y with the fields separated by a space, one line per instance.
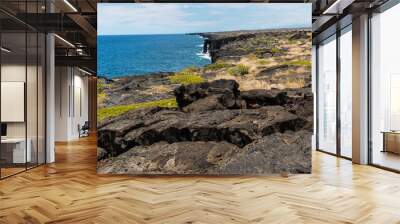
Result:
x=243 y=114
x=214 y=42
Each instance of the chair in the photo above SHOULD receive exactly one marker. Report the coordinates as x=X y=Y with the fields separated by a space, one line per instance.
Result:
x=84 y=130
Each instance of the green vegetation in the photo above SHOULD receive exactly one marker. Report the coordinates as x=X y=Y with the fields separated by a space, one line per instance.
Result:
x=101 y=86
x=294 y=83
x=264 y=61
x=299 y=63
x=275 y=50
x=265 y=40
x=218 y=65
x=261 y=40
x=239 y=69
x=259 y=52
x=186 y=79
x=187 y=76
x=291 y=71
x=101 y=97
x=114 y=111
x=252 y=57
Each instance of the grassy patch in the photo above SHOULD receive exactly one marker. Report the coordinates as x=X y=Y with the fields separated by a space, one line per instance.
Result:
x=186 y=79
x=291 y=71
x=187 y=76
x=306 y=63
x=101 y=86
x=239 y=69
x=218 y=65
x=264 y=62
x=294 y=83
x=114 y=111
x=275 y=50
x=101 y=97
x=252 y=57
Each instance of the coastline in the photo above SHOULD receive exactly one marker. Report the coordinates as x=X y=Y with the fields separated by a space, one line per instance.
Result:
x=201 y=120
x=229 y=51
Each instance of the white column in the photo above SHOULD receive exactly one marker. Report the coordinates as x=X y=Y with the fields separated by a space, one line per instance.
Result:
x=50 y=100
x=360 y=90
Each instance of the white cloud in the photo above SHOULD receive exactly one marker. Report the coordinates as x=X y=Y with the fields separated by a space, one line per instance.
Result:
x=141 y=17
x=156 y=18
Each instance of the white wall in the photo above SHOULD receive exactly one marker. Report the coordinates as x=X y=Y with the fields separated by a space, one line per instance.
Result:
x=61 y=103
x=9 y=73
x=71 y=102
x=33 y=126
x=80 y=109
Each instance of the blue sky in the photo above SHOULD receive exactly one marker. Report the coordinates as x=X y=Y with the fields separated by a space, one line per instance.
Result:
x=153 y=18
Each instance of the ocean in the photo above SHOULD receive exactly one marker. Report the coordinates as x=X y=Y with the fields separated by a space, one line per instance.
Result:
x=143 y=54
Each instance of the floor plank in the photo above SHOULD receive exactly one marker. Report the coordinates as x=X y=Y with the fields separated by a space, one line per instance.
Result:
x=70 y=191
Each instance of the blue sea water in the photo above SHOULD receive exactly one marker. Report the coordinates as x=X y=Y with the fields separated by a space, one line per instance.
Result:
x=142 y=54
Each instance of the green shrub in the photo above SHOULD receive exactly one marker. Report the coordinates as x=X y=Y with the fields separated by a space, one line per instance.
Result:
x=218 y=65
x=113 y=111
x=100 y=87
x=101 y=97
x=275 y=50
x=239 y=69
x=265 y=40
x=186 y=78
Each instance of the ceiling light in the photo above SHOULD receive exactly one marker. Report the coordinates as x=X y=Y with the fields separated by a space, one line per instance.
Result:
x=79 y=51
x=64 y=40
x=338 y=6
x=5 y=50
x=70 y=5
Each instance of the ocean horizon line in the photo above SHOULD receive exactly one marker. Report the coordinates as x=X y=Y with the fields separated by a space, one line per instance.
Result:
x=225 y=31
x=144 y=34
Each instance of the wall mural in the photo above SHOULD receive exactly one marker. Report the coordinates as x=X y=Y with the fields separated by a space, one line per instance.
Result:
x=204 y=88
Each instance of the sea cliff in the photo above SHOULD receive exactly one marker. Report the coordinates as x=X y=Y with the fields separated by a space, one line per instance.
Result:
x=224 y=45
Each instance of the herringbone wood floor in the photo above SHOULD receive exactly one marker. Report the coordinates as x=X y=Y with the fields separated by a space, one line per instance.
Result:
x=69 y=191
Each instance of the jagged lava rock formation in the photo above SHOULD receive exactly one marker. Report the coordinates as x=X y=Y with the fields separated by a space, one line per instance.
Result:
x=216 y=129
